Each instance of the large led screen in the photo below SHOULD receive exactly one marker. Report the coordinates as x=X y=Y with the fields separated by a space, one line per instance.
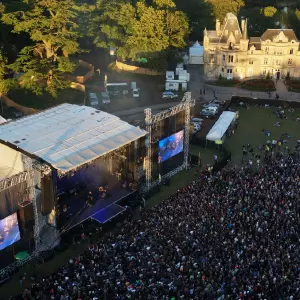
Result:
x=9 y=231
x=170 y=146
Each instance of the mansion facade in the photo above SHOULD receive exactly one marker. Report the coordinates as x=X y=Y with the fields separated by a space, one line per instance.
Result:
x=230 y=53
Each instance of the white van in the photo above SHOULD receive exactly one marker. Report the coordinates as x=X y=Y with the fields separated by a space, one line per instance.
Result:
x=94 y=101
x=135 y=93
x=105 y=97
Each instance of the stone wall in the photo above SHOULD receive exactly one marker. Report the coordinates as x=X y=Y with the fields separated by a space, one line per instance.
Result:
x=137 y=70
x=87 y=76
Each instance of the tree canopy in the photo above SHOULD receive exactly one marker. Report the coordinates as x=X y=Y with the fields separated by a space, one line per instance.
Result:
x=52 y=28
x=222 y=7
x=139 y=29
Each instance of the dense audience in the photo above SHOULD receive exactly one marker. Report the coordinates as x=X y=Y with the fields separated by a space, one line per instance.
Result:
x=233 y=234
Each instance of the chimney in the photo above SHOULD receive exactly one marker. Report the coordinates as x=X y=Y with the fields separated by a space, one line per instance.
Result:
x=243 y=24
x=218 y=26
x=245 y=31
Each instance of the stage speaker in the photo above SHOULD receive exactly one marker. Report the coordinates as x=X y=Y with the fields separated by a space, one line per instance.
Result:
x=25 y=217
x=47 y=195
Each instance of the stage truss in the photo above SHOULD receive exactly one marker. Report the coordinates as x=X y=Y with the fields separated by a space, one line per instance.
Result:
x=151 y=121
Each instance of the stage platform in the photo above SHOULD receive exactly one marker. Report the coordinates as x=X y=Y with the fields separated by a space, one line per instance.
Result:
x=108 y=213
x=102 y=211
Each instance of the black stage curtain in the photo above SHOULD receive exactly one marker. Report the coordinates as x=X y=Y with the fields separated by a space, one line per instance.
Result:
x=10 y=199
x=47 y=194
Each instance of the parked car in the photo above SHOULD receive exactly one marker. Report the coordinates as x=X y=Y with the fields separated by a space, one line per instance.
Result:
x=135 y=93
x=94 y=101
x=211 y=105
x=14 y=112
x=105 y=97
x=220 y=102
x=197 y=127
x=169 y=95
x=210 y=111
x=197 y=120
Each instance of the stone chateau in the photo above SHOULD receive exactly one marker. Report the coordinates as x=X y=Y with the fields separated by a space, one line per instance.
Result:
x=229 y=52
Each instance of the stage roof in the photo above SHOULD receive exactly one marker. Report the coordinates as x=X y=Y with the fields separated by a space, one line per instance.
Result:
x=68 y=136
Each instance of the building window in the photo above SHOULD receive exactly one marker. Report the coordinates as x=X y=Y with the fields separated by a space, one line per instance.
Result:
x=267 y=50
x=222 y=70
x=230 y=58
x=250 y=61
x=292 y=51
x=223 y=59
x=264 y=72
x=212 y=59
x=278 y=61
x=252 y=51
x=290 y=61
x=265 y=61
x=250 y=71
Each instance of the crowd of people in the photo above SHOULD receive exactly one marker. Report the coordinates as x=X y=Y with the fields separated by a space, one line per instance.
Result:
x=233 y=234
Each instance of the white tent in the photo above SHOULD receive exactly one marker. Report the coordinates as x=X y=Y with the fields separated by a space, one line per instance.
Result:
x=68 y=136
x=221 y=126
x=2 y=120
x=196 y=54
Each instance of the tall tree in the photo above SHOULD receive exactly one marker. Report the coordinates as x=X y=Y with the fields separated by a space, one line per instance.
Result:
x=52 y=27
x=222 y=7
x=199 y=14
x=112 y=23
x=157 y=28
x=3 y=82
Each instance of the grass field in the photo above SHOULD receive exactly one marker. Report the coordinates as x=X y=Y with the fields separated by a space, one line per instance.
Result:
x=251 y=123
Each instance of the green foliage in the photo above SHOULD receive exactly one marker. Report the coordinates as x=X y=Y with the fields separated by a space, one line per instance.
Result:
x=222 y=7
x=270 y=11
x=158 y=62
x=141 y=29
x=297 y=13
x=199 y=16
x=220 y=77
x=5 y=83
x=53 y=30
x=111 y=24
x=268 y=75
x=259 y=23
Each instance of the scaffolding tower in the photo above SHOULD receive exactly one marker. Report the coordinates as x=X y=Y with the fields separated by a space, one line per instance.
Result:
x=151 y=121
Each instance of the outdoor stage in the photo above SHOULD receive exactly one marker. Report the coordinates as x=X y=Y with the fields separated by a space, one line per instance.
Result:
x=102 y=211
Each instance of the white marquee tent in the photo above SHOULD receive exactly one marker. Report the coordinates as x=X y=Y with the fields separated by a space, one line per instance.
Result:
x=68 y=136
x=196 y=54
x=2 y=120
x=221 y=126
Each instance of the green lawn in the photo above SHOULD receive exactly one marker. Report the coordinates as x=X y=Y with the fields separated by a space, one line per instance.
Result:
x=224 y=82
x=251 y=123
x=28 y=99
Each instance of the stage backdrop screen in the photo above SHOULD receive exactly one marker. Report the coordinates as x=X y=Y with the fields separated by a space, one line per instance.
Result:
x=170 y=146
x=9 y=231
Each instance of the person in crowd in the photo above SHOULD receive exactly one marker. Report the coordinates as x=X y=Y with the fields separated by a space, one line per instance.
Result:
x=231 y=234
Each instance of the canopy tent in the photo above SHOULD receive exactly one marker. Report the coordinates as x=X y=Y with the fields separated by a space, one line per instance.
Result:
x=196 y=54
x=220 y=127
x=2 y=120
x=68 y=136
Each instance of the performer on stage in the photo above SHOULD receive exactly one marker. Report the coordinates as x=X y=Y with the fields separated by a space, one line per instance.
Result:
x=90 y=198
x=102 y=192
